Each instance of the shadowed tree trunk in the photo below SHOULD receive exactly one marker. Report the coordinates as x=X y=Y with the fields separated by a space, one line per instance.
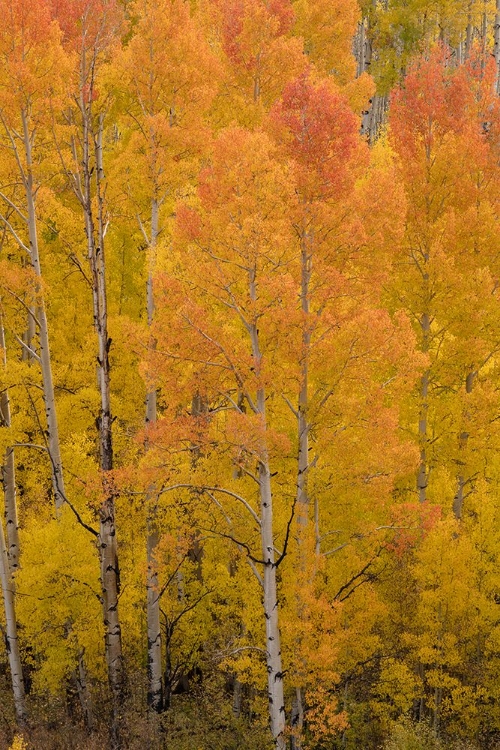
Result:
x=155 y=689
x=9 y=561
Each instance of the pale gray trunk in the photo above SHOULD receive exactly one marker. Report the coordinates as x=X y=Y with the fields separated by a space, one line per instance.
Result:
x=110 y=581
x=463 y=439
x=11 y=523
x=83 y=692
x=317 y=536
x=496 y=48
x=297 y=719
x=237 y=697
x=271 y=607
x=8 y=476
x=44 y=350
x=359 y=48
x=303 y=428
x=270 y=599
x=363 y=47
x=364 y=62
x=9 y=559
x=423 y=471
x=468 y=37
x=28 y=353
x=11 y=641
x=425 y=327
x=377 y=117
x=155 y=690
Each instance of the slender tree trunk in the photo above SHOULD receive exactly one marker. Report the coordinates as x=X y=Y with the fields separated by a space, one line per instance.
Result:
x=83 y=692
x=8 y=477
x=110 y=576
x=463 y=439
x=28 y=351
x=269 y=580
x=303 y=429
x=155 y=689
x=11 y=523
x=303 y=426
x=496 y=47
x=271 y=607
x=377 y=116
x=468 y=36
x=44 y=351
x=359 y=48
x=237 y=697
x=9 y=560
x=423 y=472
x=425 y=326
x=11 y=641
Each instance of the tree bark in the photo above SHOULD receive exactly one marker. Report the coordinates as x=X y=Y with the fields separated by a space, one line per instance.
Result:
x=8 y=477
x=155 y=688
x=276 y=699
x=83 y=692
x=92 y=166
x=52 y=435
x=11 y=641
x=463 y=439
x=423 y=472
x=303 y=429
x=9 y=560
x=303 y=426
x=496 y=47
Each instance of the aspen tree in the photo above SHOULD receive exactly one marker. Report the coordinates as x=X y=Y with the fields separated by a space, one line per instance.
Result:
x=8 y=475
x=32 y=48
x=168 y=76
x=236 y=252
x=93 y=33
x=9 y=557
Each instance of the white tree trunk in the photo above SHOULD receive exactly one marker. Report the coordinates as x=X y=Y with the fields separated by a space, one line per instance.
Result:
x=496 y=47
x=275 y=686
x=11 y=642
x=110 y=581
x=8 y=476
x=271 y=607
x=44 y=351
x=9 y=559
x=463 y=439
x=155 y=689
x=423 y=471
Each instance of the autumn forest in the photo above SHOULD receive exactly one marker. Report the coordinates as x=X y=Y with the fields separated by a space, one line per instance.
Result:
x=250 y=374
